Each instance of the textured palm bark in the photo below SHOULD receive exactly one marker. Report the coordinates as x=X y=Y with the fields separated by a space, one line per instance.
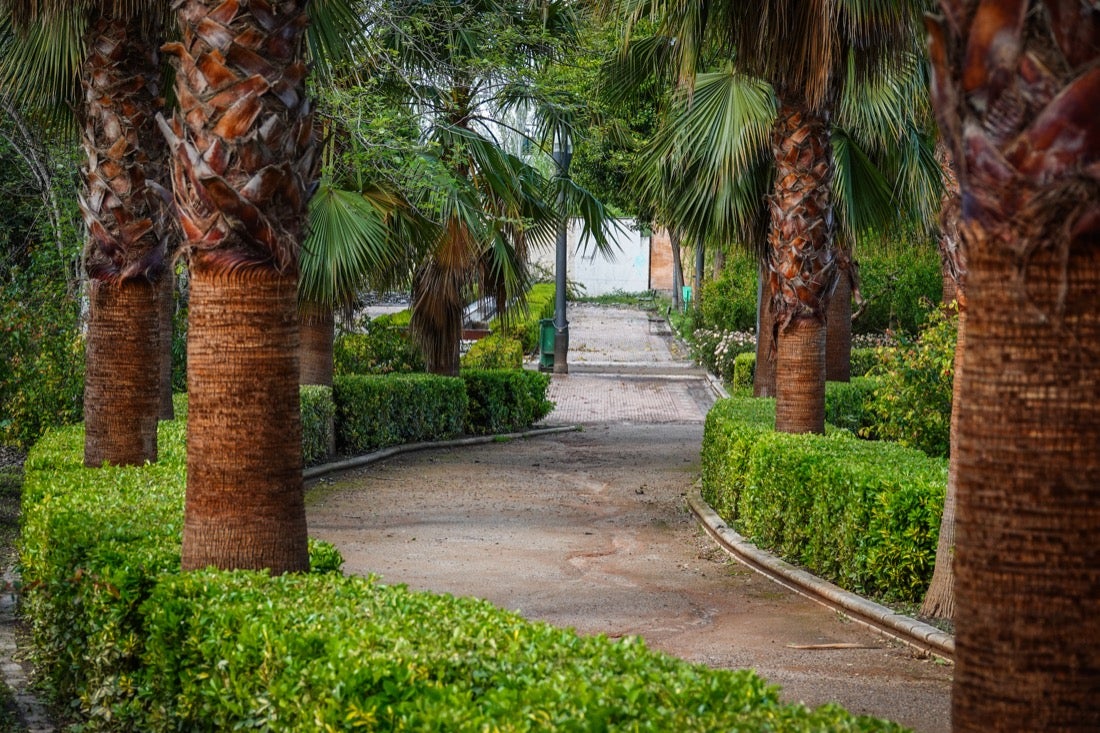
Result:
x=122 y=427
x=166 y=311
x=244 y=157
x=1016 y=88
x=939 y=600
x=124 y=257
x=317 y=329
x=838 y=339
x=245 y=504
x=763 y=378
x=802 y=262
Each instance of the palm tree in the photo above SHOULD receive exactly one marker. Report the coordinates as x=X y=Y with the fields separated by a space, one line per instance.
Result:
x=244 y=158
x=836 y=136
x=110 y=51
x=1015 y=88
x=468 y=69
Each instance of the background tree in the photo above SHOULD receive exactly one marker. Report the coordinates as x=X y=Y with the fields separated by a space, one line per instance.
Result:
x=101 y=58
x=862 y=158
x=1015 y=89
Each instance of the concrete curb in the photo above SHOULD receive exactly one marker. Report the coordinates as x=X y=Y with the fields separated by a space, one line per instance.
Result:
x=907 y=630
x=316 y=472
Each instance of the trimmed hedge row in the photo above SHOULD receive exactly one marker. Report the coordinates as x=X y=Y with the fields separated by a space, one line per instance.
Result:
x=375 y=411
x=863 y=515
x=318 y=423
x=863 y=360
x=127 y=643
x=495 y=351
x=505 y=400
x=525 y=328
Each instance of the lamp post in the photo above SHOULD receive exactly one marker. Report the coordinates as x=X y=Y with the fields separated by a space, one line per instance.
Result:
x=563 y=155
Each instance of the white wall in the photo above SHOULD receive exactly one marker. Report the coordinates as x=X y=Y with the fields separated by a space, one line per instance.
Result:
x=626 y=271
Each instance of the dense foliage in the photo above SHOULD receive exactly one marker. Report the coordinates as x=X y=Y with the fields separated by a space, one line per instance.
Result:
x=863 y=515
x=525 y=326
x=318 y=423
x=505 y=400
x=495 y=351
x=377 y=346
x=126 y=643
x=376 y=411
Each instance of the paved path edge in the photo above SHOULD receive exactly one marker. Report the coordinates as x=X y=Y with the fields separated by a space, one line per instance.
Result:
x=316 y=472
x=915 y=633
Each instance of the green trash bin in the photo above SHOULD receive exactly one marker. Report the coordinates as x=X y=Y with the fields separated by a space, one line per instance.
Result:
x=546 y=344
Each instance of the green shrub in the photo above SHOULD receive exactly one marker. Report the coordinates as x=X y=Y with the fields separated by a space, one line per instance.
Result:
x=897 y=278
x=863 y=515
x=865 y=359
x=848 y=404
x=524 y=327
x=744 y=370
x=318 y=427
x=494 y=352
x=376 y=411
x=728 y=303
x=399 y=319
x=129 y=644
x=505 y=400
x=324 y=557
x=380 y=348
x=913 y=402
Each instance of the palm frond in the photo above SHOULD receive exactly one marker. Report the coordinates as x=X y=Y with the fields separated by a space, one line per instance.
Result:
x=862 y=195
x=347 y=247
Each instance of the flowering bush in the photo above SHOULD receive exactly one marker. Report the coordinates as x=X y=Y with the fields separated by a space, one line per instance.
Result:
x=716 y=349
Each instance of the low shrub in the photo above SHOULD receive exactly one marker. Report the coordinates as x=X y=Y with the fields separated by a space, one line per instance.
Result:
x=728 y=303
x=318 y=424
x=864 y=359
x=848 y=404
x=376 y=411
x=495 y=351
x=505 y=400
x=378 y=348
x=718 y=350
x=128 y=643
x=863 y=515
x=912 y=404
x=524 y=327
x=898 y=276
x=744 y=370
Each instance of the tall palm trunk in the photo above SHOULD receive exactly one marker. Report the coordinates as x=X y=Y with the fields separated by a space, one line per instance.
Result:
x=939 y=600
x=166 y=313
x=838 y=339
x=1021 y=80
x=802 y=264
x=763 y=378
x=317 y=326
x=125 y=252
x=244 y=155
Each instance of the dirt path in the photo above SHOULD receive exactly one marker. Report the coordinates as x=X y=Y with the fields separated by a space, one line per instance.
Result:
x=589 y=530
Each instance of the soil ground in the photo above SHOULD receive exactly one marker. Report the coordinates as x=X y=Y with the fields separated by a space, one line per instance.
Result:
x=589 y=530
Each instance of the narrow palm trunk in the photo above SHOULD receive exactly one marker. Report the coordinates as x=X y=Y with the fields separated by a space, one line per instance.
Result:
x=437 y=308
x=838 y=340
x=166 y=312
x=763 y=378
x=120 y=424
x=677 y=270
x=1016 y=86
x=802 y=264
x=124 y=257
x=317 y=329
x=939 y=600
x=244 y=155
x=244 y=441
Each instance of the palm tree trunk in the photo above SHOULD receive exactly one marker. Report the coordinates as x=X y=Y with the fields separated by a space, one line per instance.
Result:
x=245 y=505
x=802 y=264
x=317 y=327
x=939 y=600
x=677 y=270
x=763 y=378
x=1021 y=80
x=124 y=256
x=120 y=417
x=838 y=340
x=244 y=156
x=437 y=308
x=166 y=312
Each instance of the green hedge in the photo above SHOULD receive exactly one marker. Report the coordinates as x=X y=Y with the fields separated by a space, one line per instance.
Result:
x=376 y=411
x=525 y=327
x=505 y=400
x=318 y=423
x=864 y=515
x=380 y=348
x=124 y=642
x=863 y=360
x=495 y=351
x=848 y=404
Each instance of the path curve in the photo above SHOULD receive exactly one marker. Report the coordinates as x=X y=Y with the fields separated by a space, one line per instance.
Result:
x=591 y=530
